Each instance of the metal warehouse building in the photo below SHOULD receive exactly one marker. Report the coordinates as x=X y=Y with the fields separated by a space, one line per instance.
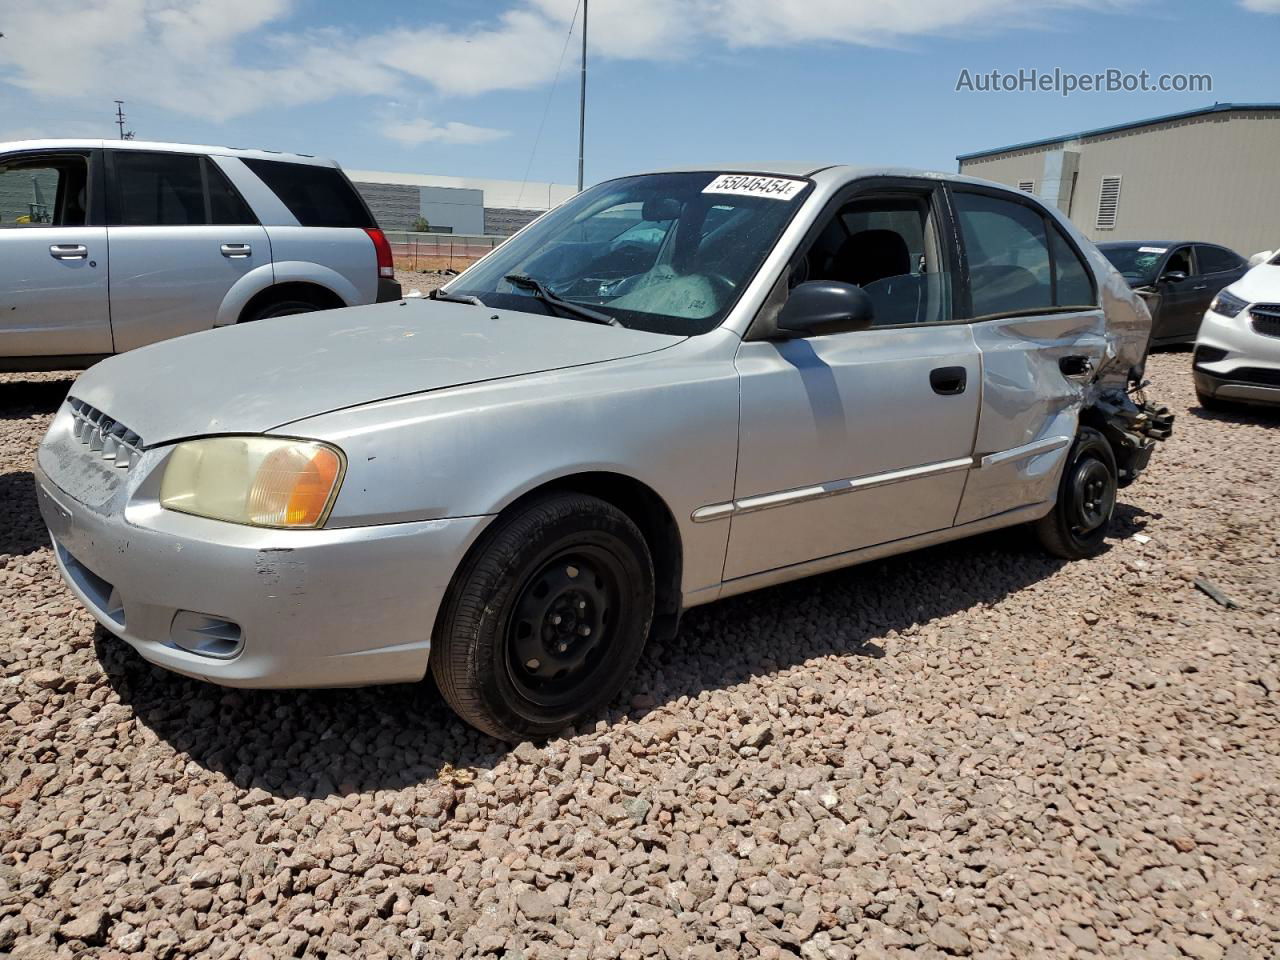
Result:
x=460 y=205
x=1206 y=174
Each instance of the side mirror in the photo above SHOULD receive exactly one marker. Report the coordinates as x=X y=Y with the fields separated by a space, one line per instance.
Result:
x=825 y=306
x=1173 y=276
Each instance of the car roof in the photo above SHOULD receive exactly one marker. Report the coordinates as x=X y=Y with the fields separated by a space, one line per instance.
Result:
x=163 y=147
x=830 y=172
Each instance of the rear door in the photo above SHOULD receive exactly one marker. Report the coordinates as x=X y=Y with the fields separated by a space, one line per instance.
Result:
x=1218 y=267
x=181 y=237
x=53 y=255
x=1035 y=316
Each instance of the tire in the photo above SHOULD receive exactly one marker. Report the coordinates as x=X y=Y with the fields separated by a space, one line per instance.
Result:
x=1077 y=526
x=280 y=308
x=510 y=654
x=1213 y=404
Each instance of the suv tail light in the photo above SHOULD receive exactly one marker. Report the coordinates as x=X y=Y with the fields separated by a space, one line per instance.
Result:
x=386 y=264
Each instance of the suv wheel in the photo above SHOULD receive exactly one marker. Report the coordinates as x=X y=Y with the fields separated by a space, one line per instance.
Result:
x=546 y=618
x=281 y=308
x=1077 y=526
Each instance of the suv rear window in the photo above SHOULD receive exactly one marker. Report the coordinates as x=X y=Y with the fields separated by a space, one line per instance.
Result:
x=317 y=196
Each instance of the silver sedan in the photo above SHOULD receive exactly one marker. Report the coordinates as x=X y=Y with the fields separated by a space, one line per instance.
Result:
x=673 y=388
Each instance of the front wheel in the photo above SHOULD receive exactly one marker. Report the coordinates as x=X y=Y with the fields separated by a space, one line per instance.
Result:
x=546 y=618
x=1077 y=526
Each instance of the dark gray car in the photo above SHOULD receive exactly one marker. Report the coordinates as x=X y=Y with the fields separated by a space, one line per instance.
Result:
x=1177 y=278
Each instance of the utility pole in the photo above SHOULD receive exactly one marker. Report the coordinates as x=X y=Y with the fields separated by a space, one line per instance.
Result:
x=582 y=97
x=124 y=134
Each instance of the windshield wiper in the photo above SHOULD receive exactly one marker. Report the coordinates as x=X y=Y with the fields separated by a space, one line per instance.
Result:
x=445 y=297
x=539 y=290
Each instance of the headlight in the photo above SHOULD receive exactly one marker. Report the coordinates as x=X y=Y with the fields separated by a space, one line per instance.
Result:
x=261 y=481
x=1227 y=304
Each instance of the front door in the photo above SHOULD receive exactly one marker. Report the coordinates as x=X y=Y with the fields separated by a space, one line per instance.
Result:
x=853 y=439
x=1178 y=318
x=53 y=257
x=180 y=237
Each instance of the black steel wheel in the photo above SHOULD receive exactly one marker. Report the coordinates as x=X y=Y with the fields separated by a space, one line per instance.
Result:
x=546 y=617
x=1077 y=526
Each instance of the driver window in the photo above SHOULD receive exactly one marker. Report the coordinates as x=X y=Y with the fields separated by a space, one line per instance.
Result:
x=44 y=192
x=885 y=244
x=1179 y=262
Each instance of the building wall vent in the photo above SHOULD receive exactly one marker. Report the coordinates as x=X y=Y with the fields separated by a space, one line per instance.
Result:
x=1108 y=203
x=1027 y=186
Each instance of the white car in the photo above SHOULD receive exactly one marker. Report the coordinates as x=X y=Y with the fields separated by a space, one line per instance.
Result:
x=108 y=245
x=1237 y=358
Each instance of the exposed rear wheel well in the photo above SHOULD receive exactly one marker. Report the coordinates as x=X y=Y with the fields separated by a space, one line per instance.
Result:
x=650 y=513
x=322 y=298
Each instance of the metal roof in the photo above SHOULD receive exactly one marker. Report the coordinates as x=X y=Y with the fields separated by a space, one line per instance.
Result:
x=1116 y=128
x=163 y=147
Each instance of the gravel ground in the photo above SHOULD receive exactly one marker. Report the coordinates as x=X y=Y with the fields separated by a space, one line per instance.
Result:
x=968 y=751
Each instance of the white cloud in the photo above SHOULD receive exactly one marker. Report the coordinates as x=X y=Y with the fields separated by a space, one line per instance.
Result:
x=420 y=130
x=219 y=59
x=1261 y=6
x=176 y=54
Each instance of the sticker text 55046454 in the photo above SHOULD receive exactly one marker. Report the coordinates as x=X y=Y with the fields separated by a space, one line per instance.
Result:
x=747 y=185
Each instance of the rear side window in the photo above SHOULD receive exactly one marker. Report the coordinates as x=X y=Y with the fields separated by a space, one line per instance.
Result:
x=1217 y=260
x=159 y=189
x=226 y=206
x=1019 y=260
x=317 y=196
x=174 y=190
x=1073 y=283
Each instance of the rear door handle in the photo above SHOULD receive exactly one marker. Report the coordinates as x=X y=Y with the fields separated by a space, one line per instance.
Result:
x=948 y=381
x=236 y=250
x=68 y=251
x=1203 y=286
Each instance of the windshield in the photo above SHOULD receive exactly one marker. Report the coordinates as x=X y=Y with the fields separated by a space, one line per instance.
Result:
x=1135 y=261
x=667 y=253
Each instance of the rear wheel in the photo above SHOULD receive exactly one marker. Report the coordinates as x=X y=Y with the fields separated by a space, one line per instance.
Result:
x=546 y=618
x=281 y=308
x=1077 y=526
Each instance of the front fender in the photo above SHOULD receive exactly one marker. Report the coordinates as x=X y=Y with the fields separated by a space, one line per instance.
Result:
x=668 y=420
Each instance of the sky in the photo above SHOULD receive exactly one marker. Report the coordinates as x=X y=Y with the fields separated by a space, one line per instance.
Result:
x=489 y=88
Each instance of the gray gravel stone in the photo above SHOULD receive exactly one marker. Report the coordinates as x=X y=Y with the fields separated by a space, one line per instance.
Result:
x=971 y=751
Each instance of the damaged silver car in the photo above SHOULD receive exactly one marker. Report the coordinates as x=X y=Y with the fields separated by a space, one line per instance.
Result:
x=674 y=388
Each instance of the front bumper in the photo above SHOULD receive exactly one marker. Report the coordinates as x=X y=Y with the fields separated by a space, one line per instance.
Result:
x=248 y=607
x=1233 y=361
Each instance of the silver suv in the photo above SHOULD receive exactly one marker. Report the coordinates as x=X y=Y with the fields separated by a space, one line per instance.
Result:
x=110 y=245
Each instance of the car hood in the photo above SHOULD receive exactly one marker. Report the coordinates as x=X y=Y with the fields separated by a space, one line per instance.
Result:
x=1259 y=285
x=260 y=376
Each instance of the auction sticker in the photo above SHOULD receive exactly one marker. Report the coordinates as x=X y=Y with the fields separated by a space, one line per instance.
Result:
x=747 y=185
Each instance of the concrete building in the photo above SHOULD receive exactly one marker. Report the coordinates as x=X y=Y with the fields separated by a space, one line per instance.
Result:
x=1202 y=175
x=461 y=205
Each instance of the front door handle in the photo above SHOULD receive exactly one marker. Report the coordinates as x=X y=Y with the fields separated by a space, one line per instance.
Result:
x=236 y=250
x=68 y=251
x=948 y=381
x=1203 y=286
